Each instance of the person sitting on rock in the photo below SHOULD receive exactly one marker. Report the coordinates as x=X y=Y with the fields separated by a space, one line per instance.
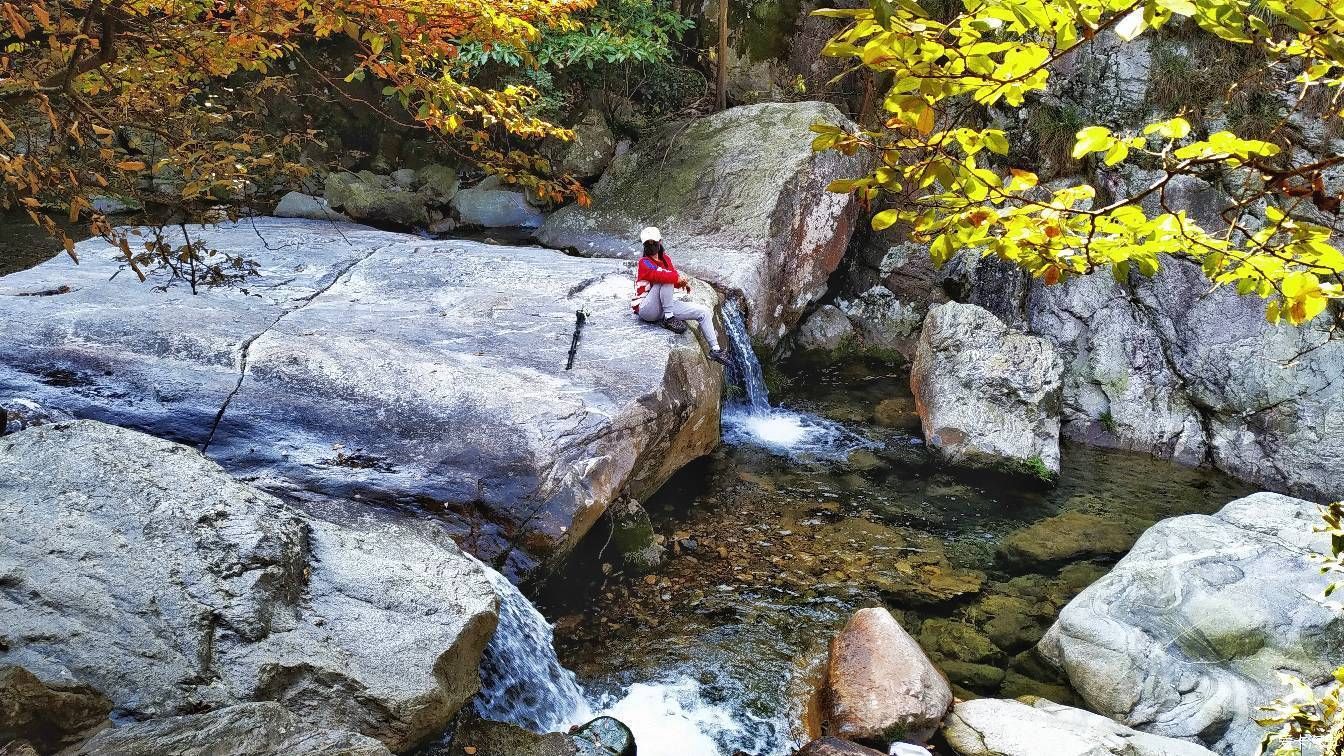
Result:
x=655 y=294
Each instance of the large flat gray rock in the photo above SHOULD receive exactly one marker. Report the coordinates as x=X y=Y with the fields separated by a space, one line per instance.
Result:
x=742 y=201
x=421 y=374
x=1186 y=637
x=138 y=567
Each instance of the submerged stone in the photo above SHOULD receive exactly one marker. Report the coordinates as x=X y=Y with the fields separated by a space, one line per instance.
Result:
x=1069 y=536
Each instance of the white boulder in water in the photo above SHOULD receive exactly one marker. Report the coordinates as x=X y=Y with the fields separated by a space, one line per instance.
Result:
x=1187 y=635
x=430 y=375
x=140 y=568
x=742 y=201
x=300 y=205
x=994 y=727
x=988 y=397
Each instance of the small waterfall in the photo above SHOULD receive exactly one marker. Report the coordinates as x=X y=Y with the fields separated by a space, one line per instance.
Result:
x=747 y=369
x=522 y=680
x=754 y=422
x=524 y=683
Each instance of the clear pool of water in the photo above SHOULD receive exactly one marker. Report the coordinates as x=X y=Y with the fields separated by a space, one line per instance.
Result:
x=772 y=550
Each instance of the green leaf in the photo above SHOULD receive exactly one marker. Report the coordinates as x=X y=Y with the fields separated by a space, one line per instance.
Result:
x=1092 y=139
x=885 y=219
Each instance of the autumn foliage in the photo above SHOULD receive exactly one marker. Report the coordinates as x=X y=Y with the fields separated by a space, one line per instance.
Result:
x=165 y=100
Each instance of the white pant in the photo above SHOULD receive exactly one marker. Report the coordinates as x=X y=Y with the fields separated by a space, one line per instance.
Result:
x=661 y=302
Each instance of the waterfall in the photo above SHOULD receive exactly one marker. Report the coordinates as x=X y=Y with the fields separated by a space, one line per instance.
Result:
x=754 y=422
x=524 y=683
x=522 y=680
x=747 y=369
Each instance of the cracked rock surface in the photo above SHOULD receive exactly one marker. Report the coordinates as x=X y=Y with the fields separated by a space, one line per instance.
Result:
x=141 y=569
x=988 y=397
x=995 y=727
x=429 y=375
x=1185 y=637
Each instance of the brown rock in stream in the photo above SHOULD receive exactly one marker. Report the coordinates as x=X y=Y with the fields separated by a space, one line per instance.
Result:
x=881 y=686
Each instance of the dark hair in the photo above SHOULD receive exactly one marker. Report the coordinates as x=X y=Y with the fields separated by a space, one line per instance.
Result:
x=652 y=248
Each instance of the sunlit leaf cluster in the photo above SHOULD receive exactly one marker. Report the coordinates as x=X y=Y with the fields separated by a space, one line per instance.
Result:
x=956 y=185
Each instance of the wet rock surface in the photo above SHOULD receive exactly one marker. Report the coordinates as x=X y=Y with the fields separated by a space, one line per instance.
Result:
x=374 y=365
x=1187 y=634
x=880 y=686
x=250 y=729
x=993 y=727
x=988 y=397
x=742 y=201
x=351 y=624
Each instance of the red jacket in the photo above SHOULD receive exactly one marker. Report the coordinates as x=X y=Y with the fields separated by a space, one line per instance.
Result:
x=651 y=272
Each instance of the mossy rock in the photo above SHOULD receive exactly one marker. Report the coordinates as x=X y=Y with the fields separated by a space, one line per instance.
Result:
x=958 y=641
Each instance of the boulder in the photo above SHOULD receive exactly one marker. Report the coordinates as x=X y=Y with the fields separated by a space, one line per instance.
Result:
x=492 y=204
x=483 y=737
x=47 y=716
x=141 y=568
x=1187 y=635
x=300 y=205
x=826 y=330
x=829 y=746
x=994 y=727
x=249 y=729
x=742 y=201
x=880 y=686
x=592 y=149
x=886 y=324
x=438 y=183
x=370 y=197
x=365 y=364
x=988 y=397
x=1268 y=393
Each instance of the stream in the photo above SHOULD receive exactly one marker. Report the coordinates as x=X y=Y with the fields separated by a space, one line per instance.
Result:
x=822 y=502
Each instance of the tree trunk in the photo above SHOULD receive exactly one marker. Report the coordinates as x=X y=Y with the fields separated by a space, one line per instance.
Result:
x=721 y=81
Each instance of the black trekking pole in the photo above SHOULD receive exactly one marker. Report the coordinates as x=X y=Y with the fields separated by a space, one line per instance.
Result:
x=579 y=319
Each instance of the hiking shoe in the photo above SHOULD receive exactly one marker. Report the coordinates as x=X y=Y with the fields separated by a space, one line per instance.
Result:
x=675 y=325
x=718 y=356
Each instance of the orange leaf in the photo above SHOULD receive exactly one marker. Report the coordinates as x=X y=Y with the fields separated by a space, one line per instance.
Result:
x=131 y=165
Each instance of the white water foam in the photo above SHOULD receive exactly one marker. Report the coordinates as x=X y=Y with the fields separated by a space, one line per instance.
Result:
x=524 y=683
x=673 y=719
x=754 y=422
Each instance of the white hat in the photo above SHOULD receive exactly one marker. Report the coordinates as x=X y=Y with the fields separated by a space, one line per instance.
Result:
x=650 y=234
